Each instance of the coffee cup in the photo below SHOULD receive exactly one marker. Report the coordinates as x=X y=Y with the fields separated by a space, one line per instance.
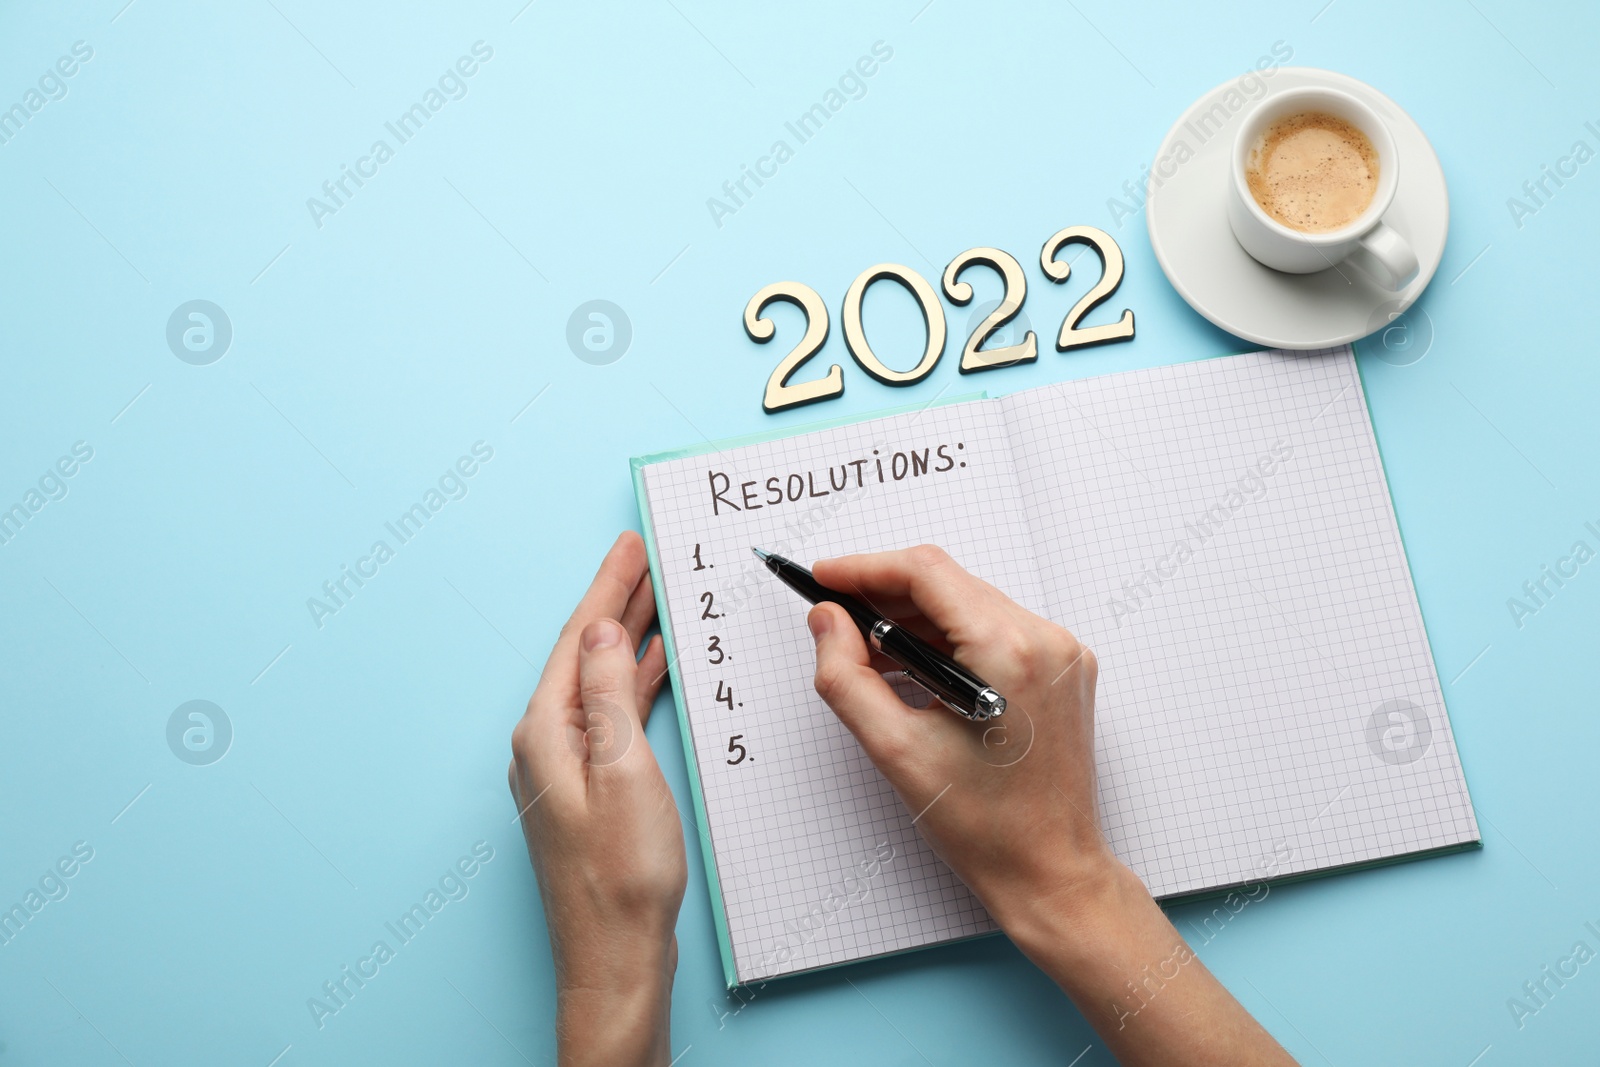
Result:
x=1314 y=154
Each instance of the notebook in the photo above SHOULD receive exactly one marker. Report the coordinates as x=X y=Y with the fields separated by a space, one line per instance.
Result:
x=1220 y=532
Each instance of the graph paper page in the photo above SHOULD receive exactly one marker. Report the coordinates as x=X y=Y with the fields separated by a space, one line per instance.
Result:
x=1221 y=534
x=817 y=858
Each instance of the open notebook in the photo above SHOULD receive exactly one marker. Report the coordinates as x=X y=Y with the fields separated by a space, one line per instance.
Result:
x=1219 y=532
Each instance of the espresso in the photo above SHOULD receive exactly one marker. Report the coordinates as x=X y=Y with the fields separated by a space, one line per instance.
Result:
x=1313 y=172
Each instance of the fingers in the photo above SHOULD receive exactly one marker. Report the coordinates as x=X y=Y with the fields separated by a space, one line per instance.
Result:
x=551 y=743
x=988 y=632
x=559 y=752
x=608 y=597
x=640 y=614
x=857 y=694
x=955 y=602
x=607 y=687
x=614 y=583
x=652 y=672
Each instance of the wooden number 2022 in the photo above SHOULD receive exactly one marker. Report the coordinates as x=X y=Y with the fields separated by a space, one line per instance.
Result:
x=781 y=393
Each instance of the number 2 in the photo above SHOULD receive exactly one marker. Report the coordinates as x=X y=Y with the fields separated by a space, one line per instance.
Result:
x=708 y=600
x=780 y=394
x=1072 y=336
x=960 y=294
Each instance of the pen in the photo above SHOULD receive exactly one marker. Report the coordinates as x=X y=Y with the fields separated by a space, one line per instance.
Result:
x=956 y=687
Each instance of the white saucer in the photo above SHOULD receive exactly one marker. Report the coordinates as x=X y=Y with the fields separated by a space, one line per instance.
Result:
x=1187 y=218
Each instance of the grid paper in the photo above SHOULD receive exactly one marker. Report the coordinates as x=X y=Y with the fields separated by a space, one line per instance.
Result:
x=797 y=823
x=1236 y=695
x=1238 y=684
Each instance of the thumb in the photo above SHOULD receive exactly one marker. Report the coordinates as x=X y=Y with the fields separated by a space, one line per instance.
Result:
x=845 y=680
x=607 y=685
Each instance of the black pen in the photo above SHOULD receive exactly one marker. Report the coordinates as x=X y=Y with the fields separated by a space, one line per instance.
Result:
x=956 y=687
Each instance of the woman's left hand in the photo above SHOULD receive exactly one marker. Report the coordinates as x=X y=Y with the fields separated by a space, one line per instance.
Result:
x=602 y=828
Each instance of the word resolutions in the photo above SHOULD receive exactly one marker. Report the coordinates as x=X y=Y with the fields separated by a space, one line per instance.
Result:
x=852 y=474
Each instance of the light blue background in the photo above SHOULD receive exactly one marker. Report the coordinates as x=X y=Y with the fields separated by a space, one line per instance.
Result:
x=369 y=754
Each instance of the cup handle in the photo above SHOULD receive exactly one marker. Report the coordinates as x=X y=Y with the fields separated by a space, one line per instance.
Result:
x=1386 y=257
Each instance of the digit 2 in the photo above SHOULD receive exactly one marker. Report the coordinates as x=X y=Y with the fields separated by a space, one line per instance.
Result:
x=1072 y=336
x=780 y=394
x=1016 y=291
x=708 y=600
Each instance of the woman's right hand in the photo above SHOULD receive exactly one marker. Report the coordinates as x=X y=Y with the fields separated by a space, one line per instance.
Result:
x=1009 y=804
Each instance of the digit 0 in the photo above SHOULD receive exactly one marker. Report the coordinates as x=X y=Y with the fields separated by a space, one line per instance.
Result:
x=855 y=336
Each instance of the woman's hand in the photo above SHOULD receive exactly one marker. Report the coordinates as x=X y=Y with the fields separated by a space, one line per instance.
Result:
x=601 y=825
x=1010 y=804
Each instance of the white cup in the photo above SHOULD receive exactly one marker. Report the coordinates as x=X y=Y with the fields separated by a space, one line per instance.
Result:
x=1368 y=243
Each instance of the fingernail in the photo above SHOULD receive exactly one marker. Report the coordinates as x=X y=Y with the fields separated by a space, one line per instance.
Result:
x=820 y=622
x=601 y=634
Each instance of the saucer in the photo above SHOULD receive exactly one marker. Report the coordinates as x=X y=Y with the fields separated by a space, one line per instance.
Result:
x=1186 y=213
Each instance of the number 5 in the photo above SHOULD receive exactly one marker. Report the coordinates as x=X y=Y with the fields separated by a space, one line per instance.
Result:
x=734 y=746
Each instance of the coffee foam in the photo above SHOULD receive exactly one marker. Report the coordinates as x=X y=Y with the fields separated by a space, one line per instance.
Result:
x=1313 y=172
